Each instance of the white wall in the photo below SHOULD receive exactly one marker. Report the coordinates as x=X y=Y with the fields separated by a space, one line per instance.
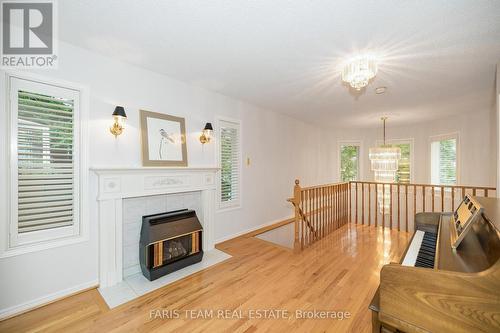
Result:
x=280 y=149
x=477 y=132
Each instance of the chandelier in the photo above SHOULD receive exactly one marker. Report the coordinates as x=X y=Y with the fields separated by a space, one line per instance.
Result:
x=359 y=72
x=384 y=163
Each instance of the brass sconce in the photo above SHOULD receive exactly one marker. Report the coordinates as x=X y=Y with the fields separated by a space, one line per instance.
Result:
x=119 y=117
x=206 y=134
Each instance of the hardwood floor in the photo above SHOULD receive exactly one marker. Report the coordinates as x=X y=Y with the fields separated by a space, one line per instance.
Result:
x=339 y=273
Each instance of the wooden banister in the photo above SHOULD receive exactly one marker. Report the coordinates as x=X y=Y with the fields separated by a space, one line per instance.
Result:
x=390 y=208
x=319 y=210
x=469 y=187
x=322 y=209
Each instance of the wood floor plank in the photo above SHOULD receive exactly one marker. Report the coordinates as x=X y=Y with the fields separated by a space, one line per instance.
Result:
x=338 y=273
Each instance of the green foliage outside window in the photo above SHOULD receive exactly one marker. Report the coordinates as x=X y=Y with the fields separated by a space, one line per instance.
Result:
x=229 y=163
x=349 y=163
x=51 y=130
x=403 y=175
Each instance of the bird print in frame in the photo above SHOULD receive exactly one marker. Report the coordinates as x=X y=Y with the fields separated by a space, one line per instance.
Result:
x=163 y=139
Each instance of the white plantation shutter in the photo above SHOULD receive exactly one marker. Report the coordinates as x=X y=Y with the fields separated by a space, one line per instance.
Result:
x=44 y=168
x=444 y=161
x=230 y=153
x=448 y=161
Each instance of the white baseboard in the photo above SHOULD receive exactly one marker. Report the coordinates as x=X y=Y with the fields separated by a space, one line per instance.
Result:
x=30 y=305
x=246 y=231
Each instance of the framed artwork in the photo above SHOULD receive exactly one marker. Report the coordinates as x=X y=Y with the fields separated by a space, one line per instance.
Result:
x=163 y=139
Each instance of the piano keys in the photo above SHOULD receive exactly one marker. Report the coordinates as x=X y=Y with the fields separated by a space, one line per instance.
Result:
x=422 y=250
x=427 y=252
x=439 y=288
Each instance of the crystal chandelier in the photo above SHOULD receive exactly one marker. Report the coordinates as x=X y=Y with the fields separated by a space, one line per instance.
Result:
x=359 y=72
x=384 y=163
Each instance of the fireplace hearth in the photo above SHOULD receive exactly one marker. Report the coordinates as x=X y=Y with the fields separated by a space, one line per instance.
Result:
x=169 y=241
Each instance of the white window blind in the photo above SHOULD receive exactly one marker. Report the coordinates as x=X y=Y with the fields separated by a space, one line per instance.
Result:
x=230 y=153
x=444 y=161
x=349 y=162
x=44 y=171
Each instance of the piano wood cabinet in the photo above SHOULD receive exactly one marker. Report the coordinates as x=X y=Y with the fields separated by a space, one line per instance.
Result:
x=460 y=294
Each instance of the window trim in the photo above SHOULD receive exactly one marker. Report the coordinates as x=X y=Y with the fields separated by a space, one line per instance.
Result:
x=440 y=137
x=360 y=158
x=411 y=141
x=10 y=244
x=222 y=206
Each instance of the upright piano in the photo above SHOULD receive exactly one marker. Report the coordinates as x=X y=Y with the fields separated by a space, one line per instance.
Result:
x=439 y=286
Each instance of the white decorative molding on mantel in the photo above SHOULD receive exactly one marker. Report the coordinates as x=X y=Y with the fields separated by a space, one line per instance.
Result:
x=118 y=183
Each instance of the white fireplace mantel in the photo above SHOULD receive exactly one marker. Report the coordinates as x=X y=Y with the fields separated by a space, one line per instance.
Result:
x=117 y=183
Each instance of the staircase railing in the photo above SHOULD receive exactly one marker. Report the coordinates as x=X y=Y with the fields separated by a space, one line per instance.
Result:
x=319 y=210
x=322 y=209
x=395 y=205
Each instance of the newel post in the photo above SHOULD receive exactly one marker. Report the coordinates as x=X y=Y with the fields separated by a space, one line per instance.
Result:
x=296 y=203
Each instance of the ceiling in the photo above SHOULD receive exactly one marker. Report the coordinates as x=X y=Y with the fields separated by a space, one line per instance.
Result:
x=436 y=58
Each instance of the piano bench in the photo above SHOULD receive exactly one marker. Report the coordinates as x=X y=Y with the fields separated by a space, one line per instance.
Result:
x=427 y=222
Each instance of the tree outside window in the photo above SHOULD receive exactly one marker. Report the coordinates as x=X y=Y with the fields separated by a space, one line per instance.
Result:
x=403 y=175
x=349 y=163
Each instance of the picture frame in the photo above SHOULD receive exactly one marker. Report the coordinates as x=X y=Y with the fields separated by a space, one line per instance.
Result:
x=163 y=140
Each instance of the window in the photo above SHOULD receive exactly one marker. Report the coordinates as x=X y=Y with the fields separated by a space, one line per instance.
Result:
x=404 y=173
x=230 y=156
x=45 y=163
x=444 y=160
x=349 y=162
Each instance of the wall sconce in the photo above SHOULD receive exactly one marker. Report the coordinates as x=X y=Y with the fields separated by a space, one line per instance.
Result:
x=119 y=116
x=206 y=134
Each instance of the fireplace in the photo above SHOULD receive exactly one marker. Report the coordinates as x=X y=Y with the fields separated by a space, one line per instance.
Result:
x=169 y=241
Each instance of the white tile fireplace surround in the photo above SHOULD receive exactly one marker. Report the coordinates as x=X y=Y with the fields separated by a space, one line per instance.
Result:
x=126 y=194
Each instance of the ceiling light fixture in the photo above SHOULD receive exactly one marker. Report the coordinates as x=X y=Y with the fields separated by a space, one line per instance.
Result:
x=384 y=163
x=359 y=71
x=380 y=90
x=384 y=160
